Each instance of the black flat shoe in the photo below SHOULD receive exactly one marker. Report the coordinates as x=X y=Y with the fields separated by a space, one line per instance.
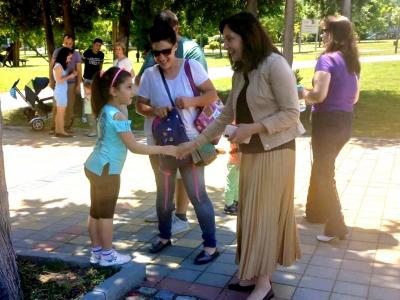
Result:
x=269 y=295
x=157 y=247
x=241 y=288
x=205 y=258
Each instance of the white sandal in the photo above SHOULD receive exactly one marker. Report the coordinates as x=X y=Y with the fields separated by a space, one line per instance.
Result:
x=326 y=238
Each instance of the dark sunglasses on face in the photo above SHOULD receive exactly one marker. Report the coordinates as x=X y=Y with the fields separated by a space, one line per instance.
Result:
x=164 y=52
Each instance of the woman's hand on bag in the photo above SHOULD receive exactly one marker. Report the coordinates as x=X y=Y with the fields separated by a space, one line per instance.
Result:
x=183 y=102
x=170 y=150
x=242 y=133
x=185 y=148
x=161 y=111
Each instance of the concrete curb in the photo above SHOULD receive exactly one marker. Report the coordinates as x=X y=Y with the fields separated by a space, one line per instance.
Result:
x=117 y=286
x=129 y=276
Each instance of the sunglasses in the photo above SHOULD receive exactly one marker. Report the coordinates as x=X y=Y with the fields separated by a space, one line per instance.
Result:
x=164 y=52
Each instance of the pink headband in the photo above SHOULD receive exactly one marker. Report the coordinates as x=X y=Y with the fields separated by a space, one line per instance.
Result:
x=115 y=77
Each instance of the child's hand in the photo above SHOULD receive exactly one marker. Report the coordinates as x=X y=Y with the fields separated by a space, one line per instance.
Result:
x=170 y=150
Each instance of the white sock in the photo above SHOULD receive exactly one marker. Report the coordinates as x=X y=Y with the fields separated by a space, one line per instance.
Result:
x=106 y=253
x=97 y=250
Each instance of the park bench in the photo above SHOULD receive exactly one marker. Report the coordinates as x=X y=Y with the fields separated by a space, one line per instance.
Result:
x=23 y=62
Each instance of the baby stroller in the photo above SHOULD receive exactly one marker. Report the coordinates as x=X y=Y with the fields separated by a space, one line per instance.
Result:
x=38 y=111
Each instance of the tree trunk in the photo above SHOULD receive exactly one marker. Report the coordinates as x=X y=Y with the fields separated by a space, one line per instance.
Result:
x=346 y=8
x=114 y=34
x=396 y=42
x=251 y=6
x=124 y=23
x=15 y=51
x=10 y=286
x=68 y=25
x=49 y=31
x=288 y=34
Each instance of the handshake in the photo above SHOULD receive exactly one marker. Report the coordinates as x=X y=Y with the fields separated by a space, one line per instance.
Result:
x=238 y=134
x=180 y=151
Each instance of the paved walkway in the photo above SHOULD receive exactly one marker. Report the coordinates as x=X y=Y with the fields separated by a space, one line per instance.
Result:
x=48 y=195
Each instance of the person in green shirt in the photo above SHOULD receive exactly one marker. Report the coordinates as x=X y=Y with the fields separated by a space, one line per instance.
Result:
x=186 y=49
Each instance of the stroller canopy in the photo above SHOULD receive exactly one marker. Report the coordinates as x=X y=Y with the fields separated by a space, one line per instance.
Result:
x=39 y=83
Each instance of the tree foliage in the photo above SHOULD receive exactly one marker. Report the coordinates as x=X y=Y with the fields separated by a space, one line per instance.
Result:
x=368 y=16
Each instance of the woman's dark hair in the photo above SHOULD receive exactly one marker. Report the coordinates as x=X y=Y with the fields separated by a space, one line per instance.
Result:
x=101 y=86
x=62 y=56
x=162 y=31
x=257 y=44
x=343 y=39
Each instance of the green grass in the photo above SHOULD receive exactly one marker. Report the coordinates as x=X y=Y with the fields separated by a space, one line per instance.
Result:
x=308 y=52
x=57 y=280
x=377 y=112
x=214 y=59
x=37 y=66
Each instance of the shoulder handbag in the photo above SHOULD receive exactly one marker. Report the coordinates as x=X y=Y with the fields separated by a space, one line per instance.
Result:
x=170 y=131
x=209 y=112
x=205 y=154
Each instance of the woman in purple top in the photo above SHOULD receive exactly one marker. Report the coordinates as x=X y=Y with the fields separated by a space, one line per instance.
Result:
x=334 y=93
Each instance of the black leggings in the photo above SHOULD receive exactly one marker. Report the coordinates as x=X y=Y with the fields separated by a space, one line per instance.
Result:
x=330 y=132
x=104 y=192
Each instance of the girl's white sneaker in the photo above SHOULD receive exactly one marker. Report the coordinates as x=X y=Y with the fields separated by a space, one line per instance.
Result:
x=95 y=258
x=114 y=259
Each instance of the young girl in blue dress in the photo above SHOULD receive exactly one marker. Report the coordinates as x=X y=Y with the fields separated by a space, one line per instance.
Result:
x=111 y=93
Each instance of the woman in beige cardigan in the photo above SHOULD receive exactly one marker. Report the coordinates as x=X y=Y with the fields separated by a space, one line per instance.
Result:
x=263 y=103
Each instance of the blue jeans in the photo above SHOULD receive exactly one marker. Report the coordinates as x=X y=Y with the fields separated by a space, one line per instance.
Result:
x=330 y=132
x=193 y=180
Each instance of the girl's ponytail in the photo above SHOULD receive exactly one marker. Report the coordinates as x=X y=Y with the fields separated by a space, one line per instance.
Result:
x=98 y=98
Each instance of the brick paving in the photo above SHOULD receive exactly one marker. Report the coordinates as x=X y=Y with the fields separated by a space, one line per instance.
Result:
x=48 y=195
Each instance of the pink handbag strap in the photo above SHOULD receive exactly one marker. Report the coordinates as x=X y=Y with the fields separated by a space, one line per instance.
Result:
x=188 y=72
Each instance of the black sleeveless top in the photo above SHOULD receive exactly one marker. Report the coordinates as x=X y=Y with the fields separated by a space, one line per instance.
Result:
x=243 y=115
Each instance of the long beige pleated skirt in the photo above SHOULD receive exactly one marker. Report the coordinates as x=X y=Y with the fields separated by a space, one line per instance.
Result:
x=266 y=225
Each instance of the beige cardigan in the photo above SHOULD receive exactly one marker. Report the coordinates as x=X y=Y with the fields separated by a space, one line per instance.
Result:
x=272 y=99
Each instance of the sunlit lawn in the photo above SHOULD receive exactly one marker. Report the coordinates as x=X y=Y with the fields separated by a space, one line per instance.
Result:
x=378 y=110
x=310 y=52
x=377 y=113
x=37 y=66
